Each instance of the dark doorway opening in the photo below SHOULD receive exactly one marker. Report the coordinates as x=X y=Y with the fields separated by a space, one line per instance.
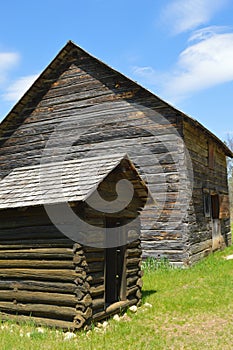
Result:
x=115 y=278
x=215 y=206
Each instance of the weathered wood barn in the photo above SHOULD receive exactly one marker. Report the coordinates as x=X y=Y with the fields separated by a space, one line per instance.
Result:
x=44 y=274
x=80 y=107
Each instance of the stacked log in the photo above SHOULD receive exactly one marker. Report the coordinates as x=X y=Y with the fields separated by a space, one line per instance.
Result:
x=134 y=272
x=83 y=297
x=96 y=271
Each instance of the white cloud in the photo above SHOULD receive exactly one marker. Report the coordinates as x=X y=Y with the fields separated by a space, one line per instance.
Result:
x=147 y=75
x=16 y=90
x=207 y=32
x=7 y=61
x=206 y=62
x=183 y=15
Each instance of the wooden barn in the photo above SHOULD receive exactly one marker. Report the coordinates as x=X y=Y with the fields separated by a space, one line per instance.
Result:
x=79 y=107
x=48 y=276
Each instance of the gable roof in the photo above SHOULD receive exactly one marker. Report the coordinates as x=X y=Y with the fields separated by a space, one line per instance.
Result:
x=67 y=181
x=43 y=80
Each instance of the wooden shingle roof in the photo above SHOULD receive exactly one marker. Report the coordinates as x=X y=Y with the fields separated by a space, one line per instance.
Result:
x=52 y=183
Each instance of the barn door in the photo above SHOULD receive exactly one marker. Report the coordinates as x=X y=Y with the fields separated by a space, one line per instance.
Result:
x=115 y=279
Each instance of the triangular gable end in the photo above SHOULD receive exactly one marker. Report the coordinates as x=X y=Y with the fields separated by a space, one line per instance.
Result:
x=59 y=64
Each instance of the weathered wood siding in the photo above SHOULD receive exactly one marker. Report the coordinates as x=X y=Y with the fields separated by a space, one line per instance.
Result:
x=102 y=111
x=214 y=178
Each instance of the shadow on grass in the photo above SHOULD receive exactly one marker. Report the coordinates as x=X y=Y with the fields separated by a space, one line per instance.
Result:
x=147 y=293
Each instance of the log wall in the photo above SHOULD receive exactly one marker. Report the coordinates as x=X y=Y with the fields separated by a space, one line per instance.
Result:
x=102 y=111
x=211 y=177
x=37 y=270
x=46 y=277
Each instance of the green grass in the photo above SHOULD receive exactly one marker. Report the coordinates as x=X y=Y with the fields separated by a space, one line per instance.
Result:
x=191 y=309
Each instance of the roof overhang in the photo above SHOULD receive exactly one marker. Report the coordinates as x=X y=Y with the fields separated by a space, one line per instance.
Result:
x=67 y=181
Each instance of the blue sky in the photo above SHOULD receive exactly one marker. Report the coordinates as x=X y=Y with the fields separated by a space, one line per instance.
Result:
x=182 y=50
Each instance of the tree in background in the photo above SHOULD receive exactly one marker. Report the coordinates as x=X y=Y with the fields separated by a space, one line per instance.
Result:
x=229 y=143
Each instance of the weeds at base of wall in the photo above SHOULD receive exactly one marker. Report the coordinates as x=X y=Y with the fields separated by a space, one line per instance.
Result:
x=152 y=264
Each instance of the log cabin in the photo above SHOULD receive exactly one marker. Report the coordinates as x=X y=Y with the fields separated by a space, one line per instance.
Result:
x=55 y=270
x=80 y=107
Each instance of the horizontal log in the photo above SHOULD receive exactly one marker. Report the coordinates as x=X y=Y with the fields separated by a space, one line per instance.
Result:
x=131 y=280
x=53 y=287
x=133 y=252
x=200 y=255
x=95 y=267
x=37 y=253
x=96 y=278
x=48 y=275
x=173 y=256
x=96 y=290
x=95 y=256
x=18 y=223
x=134 y=244
x=40 y=321
x=35 y=243
x=131 y=291
x=133 y=261
x=40 y=264
x=165 y=245
x=22 y=296
x=61 y=312
x=201 y=246
x=132 y=271
x=98 y=303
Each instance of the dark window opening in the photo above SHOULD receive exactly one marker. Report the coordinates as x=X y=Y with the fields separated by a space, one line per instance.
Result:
x=215 y=206
x=207 y=205
x=211 y=205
